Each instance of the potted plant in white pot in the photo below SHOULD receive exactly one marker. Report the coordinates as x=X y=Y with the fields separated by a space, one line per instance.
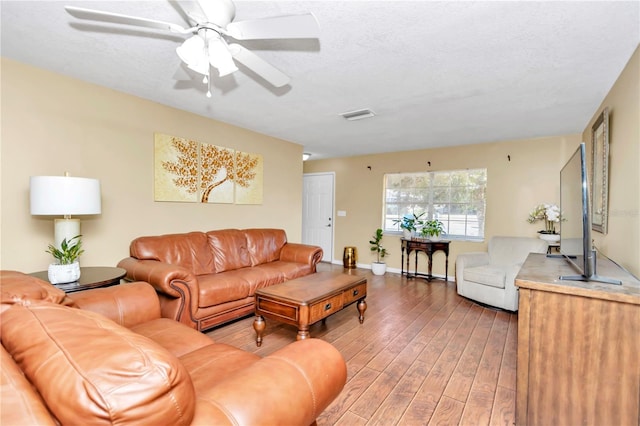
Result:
x=432 y=229
x=550 y=215
x=409 y=224
x=378 y=267
x=67 y=267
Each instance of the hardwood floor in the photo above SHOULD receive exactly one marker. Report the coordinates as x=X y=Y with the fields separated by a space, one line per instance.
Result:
x=424 y=355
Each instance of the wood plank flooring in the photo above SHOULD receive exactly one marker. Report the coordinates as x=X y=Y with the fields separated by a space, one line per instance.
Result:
x=424 y=355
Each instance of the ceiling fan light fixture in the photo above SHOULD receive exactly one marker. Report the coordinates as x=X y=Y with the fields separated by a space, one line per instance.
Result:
x=220 y=58
x=212 y=21
x=358 y=114
x=193 y=54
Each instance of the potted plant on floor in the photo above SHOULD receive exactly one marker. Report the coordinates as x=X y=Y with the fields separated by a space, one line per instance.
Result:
x=67 y=267
x=378 y=267
x=432 y=229
x=409 y=224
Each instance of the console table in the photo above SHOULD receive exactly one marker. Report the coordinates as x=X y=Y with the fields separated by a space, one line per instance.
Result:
x=578 y=346
x=90 y=277
x=428 y=247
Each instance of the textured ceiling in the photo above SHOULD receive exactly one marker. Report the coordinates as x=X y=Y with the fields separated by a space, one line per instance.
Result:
x=435 y=73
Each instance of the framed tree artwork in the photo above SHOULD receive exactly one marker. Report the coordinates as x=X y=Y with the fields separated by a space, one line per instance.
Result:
x=191 y=171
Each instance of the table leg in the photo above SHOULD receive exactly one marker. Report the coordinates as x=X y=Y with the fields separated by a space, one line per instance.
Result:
x=408 y=256
x=362 y=306
x=303 y=332
x=415 y=270
x=446 y=267
x=259 y=326
x=430 y=275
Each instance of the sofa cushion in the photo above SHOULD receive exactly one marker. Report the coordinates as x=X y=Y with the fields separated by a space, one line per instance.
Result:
x=486 y=275
x=222 y=287
x=190 y=251
x=89 y=370
x=265 y=244
x=214 y=363
x=261 y=276
x=177 y=338
x=18 y=287
x=288 y=270
x=229 y=248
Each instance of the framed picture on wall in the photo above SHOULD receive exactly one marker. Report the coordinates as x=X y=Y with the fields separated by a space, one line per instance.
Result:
x=600 y=172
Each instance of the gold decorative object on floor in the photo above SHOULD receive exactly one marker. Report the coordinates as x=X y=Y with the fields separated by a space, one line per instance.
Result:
x=350 y=257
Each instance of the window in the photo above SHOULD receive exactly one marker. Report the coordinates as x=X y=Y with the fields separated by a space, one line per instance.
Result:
x=454 y=197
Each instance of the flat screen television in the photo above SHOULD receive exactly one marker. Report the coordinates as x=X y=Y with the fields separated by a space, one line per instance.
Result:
x=575 y=227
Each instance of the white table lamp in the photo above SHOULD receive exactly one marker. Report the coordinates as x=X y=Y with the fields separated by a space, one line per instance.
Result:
x=66 y=196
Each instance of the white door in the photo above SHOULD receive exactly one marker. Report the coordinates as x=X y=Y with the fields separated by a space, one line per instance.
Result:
x=317 y=212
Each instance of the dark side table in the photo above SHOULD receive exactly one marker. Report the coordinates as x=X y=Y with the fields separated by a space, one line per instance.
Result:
x=90 y=277
x=428 y=247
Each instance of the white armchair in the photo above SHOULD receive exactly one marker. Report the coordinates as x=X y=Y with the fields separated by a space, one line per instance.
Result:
x=489 y=277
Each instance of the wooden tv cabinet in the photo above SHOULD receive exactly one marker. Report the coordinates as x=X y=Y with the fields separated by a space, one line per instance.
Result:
x=578 y=346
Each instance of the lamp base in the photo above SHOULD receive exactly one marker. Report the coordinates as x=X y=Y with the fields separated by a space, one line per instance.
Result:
x=65 y=229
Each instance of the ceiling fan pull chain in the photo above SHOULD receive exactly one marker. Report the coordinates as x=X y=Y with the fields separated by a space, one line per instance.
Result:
x=206 y=80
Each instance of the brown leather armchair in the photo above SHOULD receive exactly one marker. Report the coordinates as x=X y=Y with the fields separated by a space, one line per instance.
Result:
x=111 y=358
x=206 y=279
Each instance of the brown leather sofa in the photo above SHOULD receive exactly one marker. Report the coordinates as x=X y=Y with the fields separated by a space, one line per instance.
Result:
x=106 y=356
x=208 y=278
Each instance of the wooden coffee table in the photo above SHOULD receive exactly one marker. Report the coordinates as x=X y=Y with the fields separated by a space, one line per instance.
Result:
x=309 y=299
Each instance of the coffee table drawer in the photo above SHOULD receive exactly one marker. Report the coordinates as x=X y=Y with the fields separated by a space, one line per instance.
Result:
x=278 y=309
x=355 y=293
x=324 y=308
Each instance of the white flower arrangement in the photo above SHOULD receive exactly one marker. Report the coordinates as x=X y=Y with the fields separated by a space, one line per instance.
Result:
x=551 y=215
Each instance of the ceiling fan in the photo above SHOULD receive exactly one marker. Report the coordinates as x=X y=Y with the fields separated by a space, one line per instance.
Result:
x=212 y=25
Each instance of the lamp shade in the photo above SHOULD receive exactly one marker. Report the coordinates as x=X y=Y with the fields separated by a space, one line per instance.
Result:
x=220 y=58
x=193 y=54
x=64 y=195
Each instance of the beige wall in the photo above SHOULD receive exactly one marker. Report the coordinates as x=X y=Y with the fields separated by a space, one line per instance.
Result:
x=52 y=124
x=513 y=188
x=109 y=136
x=622 y=242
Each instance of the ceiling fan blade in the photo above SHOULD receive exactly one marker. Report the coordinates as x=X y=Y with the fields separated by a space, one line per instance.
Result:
x=192 y=11
x=116 y=18
x=258 y=65
x=219 y=12
x=292 y=26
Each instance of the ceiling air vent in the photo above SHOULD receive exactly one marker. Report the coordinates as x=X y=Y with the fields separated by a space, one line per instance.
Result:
x=358 y=114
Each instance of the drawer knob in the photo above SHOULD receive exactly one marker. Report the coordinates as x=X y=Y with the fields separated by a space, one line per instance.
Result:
x=327 y=306
x=355 y=292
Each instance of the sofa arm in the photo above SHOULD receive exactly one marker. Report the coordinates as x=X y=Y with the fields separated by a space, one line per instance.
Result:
x=469 y=260
x=291 y=386
x=158 y=274
x=301 y=253
x=177 y=287
x=20 y=404
x=126 y=304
